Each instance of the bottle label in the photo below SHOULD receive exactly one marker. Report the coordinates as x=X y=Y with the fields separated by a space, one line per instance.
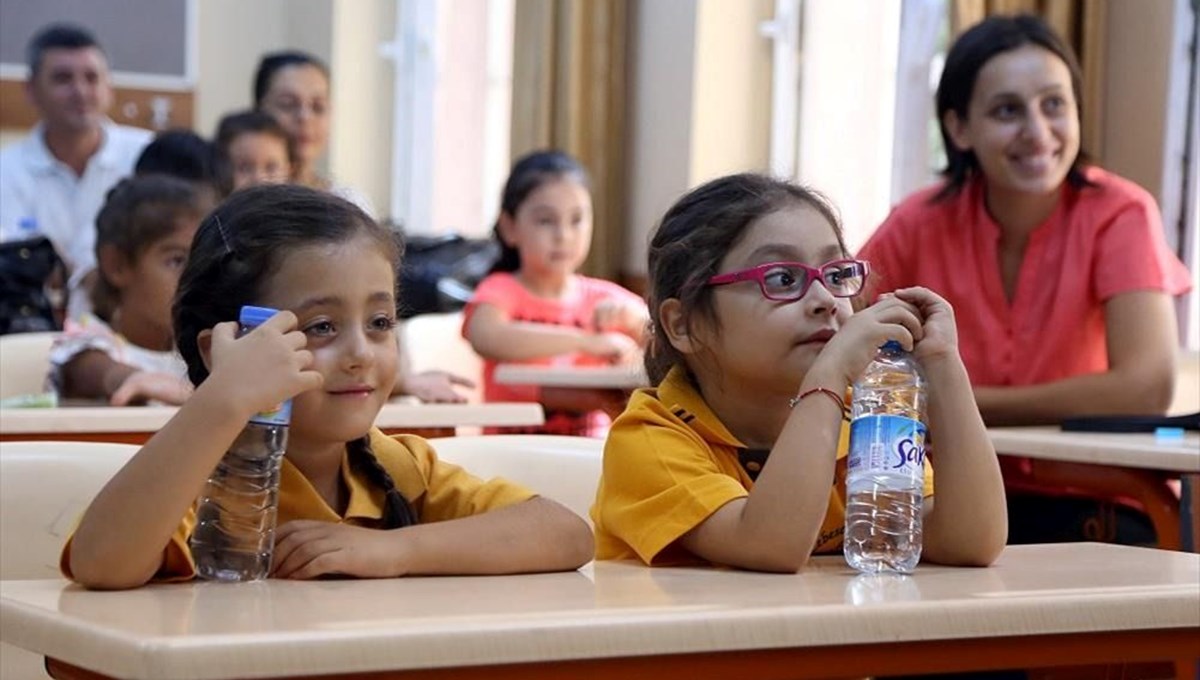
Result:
x=280 y=415
x=888 y=444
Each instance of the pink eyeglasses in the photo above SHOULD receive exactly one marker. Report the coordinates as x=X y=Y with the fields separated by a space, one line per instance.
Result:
x=787 y=281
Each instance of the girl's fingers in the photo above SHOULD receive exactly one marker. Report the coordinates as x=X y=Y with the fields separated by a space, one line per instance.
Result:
x=283 y=322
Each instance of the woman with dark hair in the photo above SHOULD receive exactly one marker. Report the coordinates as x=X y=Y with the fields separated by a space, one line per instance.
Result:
x=1059 y=269
x=293 y=87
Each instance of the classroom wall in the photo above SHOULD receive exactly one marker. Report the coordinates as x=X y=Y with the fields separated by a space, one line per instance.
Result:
x=699 y=106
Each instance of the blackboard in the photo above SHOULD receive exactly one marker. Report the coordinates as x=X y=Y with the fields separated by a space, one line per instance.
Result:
x=148 y=37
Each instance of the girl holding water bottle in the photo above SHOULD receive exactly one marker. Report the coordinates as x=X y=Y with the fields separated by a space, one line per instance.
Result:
x=736 y=456
x=351 y=500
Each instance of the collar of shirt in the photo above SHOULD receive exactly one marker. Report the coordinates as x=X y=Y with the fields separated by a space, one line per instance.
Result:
x=40 y=159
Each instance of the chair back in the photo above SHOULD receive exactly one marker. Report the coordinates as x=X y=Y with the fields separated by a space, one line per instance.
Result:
x=1187 y=383
x=435 y=343
x=44 y=488
x=561 y=468
x=24 y=363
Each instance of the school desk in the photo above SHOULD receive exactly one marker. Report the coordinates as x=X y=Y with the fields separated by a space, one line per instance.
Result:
x=1133 y=463
x=624 y=377
x=1040 y=605
x=135 y=424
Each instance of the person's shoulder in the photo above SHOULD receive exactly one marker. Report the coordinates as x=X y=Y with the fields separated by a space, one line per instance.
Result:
x=603 y=287
x=499 y=283
x=921 y=204
x=15 y=153
x=1112 y=191
x=127 y=135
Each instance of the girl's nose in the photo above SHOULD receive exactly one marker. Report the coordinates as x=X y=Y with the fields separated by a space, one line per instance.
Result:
x=357 y=351
x=818 y=301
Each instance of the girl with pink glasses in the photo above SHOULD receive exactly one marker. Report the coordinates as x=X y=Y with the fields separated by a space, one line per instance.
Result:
x=736 y=456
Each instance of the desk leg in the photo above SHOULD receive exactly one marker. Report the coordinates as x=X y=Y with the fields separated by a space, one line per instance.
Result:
x=1190 y=512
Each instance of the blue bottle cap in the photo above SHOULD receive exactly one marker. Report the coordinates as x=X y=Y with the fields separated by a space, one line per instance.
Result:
x=892 y=346
x=252 y=316
x=1168 y=434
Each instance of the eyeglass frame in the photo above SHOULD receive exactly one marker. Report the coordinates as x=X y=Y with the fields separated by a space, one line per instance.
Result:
x=758 y=274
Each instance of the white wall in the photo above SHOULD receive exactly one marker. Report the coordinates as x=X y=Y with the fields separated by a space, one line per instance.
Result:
x=700 y=104
x=847 y=106
x=660 y=117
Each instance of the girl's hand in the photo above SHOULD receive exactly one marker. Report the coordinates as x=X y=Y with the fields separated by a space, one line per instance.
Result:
x=436 y=387
x=859 y=339
x=266 y=366
x=306 y=549
x=612 y=315
x=940 y=339
x=618 y=348
x=144 y=386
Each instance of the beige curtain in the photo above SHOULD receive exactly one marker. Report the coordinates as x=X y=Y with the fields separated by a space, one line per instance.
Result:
x=569 y=93
x=1081 y=23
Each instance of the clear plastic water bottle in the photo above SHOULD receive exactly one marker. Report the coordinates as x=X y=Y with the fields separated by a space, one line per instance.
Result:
x=886 y=466
x=235 y=515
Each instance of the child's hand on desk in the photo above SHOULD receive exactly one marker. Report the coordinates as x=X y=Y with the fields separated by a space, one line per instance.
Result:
x=144 y=386
x=436 y=387
x=611 y=315
x=264 y=367
x=616 y=347
x=306 y=549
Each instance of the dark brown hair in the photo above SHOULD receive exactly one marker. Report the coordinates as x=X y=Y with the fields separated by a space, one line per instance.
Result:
x=137 y=213
x=695 y=235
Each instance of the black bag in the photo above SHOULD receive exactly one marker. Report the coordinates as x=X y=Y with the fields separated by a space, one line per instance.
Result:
x=27 y=269
x=440 y=273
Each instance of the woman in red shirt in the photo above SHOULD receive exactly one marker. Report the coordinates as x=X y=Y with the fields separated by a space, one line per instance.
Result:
x=1059 y=271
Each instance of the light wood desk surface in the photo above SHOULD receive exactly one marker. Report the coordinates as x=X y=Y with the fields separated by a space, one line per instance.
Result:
x=135 y=424
x=1039 y=606
x=623 y=377
x=1137 y=450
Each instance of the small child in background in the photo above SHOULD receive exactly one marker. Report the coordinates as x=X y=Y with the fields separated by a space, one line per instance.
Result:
x=534 y=308
x=352 y=501
x=737 y=455
x=252 y=148
x=123 y=350
x=179 y=153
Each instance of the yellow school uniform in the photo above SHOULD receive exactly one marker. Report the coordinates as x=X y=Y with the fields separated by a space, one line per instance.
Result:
x=669 y=463
x=437 y=491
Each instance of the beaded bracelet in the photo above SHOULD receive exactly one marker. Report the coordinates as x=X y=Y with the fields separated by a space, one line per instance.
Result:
x=837 y=399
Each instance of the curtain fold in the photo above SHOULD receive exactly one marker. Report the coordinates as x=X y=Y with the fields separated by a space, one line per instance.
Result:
x=1082 y=24
x=569 y=93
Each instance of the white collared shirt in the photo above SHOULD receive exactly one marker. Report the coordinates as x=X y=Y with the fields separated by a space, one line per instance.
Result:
x=42 y=196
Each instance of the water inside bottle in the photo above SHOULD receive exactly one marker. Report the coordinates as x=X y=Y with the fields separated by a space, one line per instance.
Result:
x=235 y=517
x=883 y=527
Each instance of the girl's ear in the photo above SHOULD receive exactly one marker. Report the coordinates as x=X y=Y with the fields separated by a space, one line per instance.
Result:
x=674 y=325
x=114 y=266
x=956 y=129
x=204 y=344
x=507 y=228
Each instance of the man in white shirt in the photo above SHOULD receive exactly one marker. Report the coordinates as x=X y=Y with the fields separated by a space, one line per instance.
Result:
x=54 y=181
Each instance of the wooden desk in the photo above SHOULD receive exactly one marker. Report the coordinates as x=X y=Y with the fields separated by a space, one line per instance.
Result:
x=1135 y=450
x=135 y=424
x=1047 y=605
x=1148 y=459
x=624 y=377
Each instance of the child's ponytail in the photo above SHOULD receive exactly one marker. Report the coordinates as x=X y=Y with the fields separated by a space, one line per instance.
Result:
x=397 y=512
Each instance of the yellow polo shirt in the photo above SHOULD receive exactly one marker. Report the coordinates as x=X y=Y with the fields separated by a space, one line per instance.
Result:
x=437 y=491
x=669 y=463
